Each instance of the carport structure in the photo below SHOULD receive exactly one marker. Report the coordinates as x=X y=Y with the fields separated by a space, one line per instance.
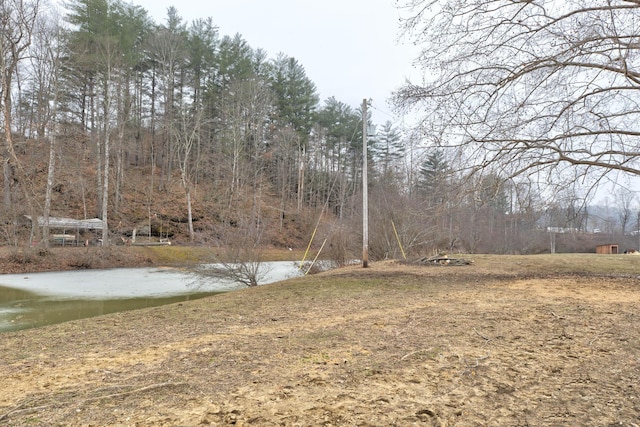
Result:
x=64 y=225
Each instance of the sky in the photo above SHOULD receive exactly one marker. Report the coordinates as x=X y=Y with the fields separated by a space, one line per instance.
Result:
x=351 y=49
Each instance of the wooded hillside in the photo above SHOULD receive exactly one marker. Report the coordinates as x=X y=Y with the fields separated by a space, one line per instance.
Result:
x=177 y=131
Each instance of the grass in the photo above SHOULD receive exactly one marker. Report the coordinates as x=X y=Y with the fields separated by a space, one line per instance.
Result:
x=396 y=334
x=560 y=263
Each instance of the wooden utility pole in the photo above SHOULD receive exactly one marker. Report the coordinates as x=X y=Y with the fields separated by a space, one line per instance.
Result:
x=365 y=190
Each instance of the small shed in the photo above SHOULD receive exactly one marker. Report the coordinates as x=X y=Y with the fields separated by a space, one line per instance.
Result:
x=607 y=249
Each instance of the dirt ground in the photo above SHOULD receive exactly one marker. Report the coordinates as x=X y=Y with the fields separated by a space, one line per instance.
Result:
x=391 y=345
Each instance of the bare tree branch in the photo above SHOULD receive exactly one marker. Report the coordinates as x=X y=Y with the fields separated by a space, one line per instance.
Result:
x=521 y=86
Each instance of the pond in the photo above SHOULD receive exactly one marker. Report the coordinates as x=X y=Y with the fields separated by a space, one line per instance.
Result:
x=38 y=299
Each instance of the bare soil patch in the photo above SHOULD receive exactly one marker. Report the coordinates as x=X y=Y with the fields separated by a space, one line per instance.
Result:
x=506 y=341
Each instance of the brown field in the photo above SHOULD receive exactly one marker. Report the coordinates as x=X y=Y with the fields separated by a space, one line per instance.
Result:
x=507 y=341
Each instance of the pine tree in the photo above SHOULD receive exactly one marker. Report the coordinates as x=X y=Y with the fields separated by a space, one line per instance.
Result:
x=296 y=95
x=388 y=149
x=434 y=177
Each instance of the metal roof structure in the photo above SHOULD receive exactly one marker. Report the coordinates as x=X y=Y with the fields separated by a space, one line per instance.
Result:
x=70 y=223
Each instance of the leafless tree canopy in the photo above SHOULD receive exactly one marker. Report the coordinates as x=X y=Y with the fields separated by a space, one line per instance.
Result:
x=531 y=85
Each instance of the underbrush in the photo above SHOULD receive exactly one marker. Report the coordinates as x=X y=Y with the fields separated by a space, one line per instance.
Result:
x=88 y=259
x=23 y=256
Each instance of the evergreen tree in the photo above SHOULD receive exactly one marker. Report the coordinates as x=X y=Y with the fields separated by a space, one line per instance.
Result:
x=493 y=194
x=234 y=61
x=202 y=45
x=340 y=125
x=296 y=96
x=435 y=174
x=102 y=46
x=388 y=149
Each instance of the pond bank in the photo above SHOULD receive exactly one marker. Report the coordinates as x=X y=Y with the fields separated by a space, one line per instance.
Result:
x=36 y=299
x=32 y=260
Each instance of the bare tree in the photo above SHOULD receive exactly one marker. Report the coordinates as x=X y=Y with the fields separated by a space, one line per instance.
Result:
x=17 y=19
x=185 y=135
x=545 y=88
x=244 y=112
x=46 y=55
x=624 y=199
x=168 y=50
x=240 y=259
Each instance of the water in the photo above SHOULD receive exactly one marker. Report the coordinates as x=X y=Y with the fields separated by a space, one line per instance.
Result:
x=38 y=299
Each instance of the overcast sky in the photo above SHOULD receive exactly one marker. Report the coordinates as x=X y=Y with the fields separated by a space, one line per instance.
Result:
x=349 y=48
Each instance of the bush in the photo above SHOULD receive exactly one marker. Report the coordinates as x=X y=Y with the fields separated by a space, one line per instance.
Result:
x=22 y=256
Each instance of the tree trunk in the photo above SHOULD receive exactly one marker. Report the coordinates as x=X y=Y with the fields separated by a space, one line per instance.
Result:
x=105 y=190
x=189 y=213
x=49 y=190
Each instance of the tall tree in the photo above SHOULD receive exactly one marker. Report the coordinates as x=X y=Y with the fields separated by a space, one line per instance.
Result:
x=529 y=86
x=296 y=95
x=287 y=160
x=233 y=62
x=90 y=28
x=168 y=50
x=435 y=177
x=341 y=136
x=17 y=20
x=625 y=200
x=46 y=57
x=134 y=26
x=296 y=101
x=202 y=45
x=102 y=42
x=245 y=115
x=185 y=135
x=388 y=149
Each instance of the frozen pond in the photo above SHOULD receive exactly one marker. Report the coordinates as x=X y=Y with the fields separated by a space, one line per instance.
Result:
x=37 y=299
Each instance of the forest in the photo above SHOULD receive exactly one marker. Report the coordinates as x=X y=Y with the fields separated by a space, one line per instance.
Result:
x=174 y=131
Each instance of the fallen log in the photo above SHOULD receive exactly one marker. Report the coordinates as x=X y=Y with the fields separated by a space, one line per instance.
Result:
x=443 y=260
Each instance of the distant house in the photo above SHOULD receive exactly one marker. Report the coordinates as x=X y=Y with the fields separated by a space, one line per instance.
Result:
x=562 y=230
x=607 y=249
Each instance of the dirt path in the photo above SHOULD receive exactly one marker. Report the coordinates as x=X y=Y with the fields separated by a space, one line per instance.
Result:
x=390 y=345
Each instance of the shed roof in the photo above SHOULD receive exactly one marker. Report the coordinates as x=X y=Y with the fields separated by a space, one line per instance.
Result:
x=84 y=224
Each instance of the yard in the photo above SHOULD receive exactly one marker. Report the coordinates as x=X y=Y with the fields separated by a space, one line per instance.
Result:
x=508 y=340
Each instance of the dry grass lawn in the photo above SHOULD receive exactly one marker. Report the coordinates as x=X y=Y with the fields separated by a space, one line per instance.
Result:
x=507 y=341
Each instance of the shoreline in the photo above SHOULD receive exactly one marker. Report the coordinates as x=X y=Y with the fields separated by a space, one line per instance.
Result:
x=33 y=260
x=18 y=260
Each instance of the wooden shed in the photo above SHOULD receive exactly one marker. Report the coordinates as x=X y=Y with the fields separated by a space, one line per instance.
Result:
x=607 y=249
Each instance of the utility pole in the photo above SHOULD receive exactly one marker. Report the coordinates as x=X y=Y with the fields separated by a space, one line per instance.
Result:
x=365 y=190
x=638 y=229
